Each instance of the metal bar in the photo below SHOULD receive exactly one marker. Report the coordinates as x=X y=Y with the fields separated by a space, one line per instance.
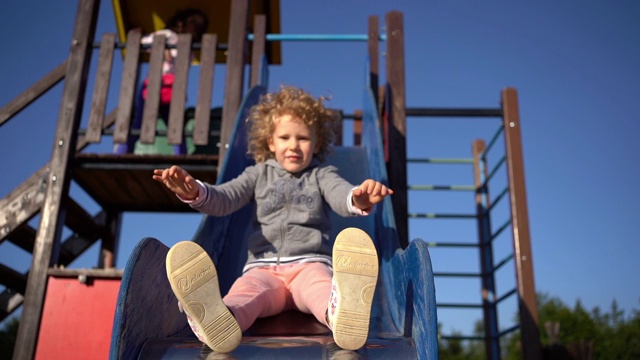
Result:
x=489 y=310
x=443 y=187
x=509 y=330
x=234 y=73
x=450 y=244
x=502 y=262
x=500 y=230
x=493 y=171
x=47 y=247
x=498 y=198
x=456 y=274
x=453 y=112
x=32 y=93
x=506 y=295
x=529 y=331
x=460 y=337
x=454 y=305
x=492 y=141
x=201 y=129
x=441 y=160
x=441 y=216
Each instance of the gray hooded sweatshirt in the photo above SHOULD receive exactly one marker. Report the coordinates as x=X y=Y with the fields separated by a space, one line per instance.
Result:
x=291 y=220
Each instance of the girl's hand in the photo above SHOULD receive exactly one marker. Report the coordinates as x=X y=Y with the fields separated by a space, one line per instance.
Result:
x=369 y=193
x=177 y=180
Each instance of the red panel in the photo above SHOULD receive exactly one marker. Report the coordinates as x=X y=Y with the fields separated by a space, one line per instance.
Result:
x=77 y=319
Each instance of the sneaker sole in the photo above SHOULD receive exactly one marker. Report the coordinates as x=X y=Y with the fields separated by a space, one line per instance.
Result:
x=194 y=281
x=355 y=271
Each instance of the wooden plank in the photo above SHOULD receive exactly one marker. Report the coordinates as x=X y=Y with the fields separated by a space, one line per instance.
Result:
x=80 y=221
x=374 y=57
x=235 y=72
x=527 y=302
x=357 y=128
x=22 y=203
x=205 y=89
x=12 y=279
x=33 y=93
x=152 y=102
x=9 y=302
x=101 y=88
x=176 y=120
x=52 y=219
x=109 y=120
x=258 y=48
x=23 y=237
x=94 y=273
x=397 y=165
x=76 y=244
x=127 y=87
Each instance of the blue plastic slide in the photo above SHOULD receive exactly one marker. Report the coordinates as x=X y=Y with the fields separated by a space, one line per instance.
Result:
x=148 y=324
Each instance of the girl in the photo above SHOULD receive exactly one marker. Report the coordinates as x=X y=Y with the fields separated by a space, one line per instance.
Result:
x=292 y=262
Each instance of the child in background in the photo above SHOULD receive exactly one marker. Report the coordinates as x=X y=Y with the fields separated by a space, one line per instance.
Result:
x=189 y=21
x=292 y=262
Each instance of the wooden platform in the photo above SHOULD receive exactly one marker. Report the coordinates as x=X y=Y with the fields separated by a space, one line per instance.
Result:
x=124 y=182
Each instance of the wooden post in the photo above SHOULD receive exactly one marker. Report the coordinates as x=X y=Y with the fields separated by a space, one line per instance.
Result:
x=397 y=165
x=374 y=60
x=152 y=101
x=483 y=203
x=235 y=72
x=176 y=120
x=101 y=89
x=46 y=249
x=529 y=328
x=127 y=87
x=110 y=240
x=205 y=89
x=258 y=48
x=30 y=95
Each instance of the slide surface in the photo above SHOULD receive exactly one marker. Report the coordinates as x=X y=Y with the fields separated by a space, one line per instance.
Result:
x=403 y=324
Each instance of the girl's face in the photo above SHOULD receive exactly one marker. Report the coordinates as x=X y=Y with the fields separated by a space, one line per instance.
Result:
x=293 y=143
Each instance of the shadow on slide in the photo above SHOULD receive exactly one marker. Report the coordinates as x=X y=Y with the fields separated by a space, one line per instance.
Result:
x=147 y=322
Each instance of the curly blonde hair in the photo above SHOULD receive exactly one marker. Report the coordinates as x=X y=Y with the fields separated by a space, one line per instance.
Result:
x=295 y=102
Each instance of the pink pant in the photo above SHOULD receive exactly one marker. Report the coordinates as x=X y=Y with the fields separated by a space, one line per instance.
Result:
x=270 y=290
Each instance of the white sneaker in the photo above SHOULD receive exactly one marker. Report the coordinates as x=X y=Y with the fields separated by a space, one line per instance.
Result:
x=355 y=274
x=194 y=282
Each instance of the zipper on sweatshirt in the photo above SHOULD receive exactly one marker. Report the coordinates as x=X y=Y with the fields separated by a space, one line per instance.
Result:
x=282 y=224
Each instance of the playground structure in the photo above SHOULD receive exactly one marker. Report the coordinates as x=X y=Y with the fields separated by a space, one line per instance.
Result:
x=405 y=301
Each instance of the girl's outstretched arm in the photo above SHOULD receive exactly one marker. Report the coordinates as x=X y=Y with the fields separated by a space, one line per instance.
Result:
x=369 y=193
x=177 y=180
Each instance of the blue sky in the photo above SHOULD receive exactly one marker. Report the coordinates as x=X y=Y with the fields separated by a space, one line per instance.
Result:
x=577 y=71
